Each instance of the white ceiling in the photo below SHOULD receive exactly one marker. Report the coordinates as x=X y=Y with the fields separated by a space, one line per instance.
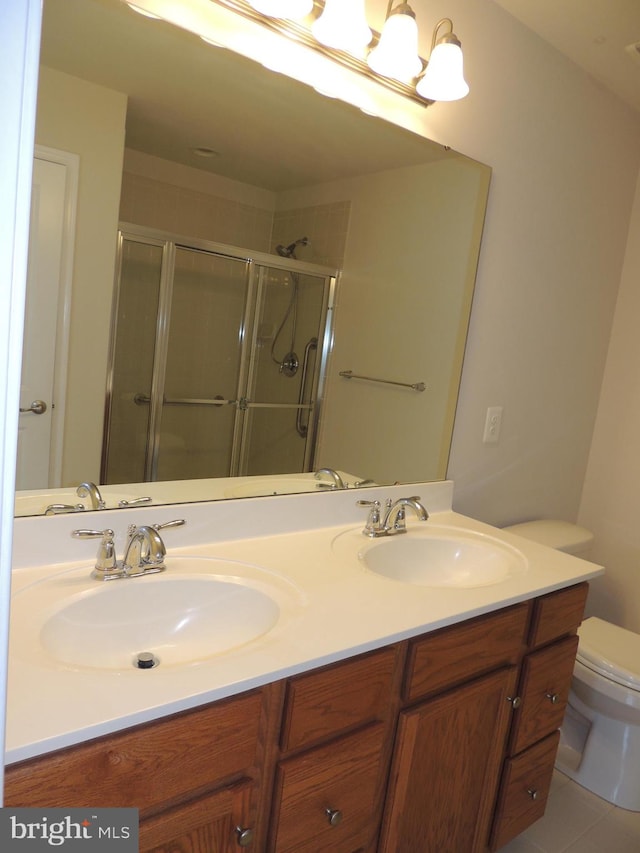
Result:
x=595 y=34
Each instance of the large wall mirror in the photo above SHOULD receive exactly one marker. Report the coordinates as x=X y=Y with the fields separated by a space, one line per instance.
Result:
x=252 y=282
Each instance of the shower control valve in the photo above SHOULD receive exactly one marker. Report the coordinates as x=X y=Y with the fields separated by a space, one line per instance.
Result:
x=289 y=365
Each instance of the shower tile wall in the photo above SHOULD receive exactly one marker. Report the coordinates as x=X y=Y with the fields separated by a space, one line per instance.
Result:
x=326 y=226
x=168 y=207
x=156 y=204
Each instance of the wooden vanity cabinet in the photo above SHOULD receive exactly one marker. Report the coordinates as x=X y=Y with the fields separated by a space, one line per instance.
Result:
x=443 y=742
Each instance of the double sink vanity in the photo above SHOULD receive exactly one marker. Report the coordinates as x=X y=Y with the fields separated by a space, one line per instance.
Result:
x=288 y=684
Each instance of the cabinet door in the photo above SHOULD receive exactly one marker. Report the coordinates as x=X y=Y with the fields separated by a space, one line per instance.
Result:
x=210 y=824
x=546 y=679
x=327 y=799
x=446 y=768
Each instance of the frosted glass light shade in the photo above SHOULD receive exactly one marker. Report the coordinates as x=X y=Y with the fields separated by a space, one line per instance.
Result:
x=343 y=25
x=294 y=9
x=444 y=78
x=144 y=12
x=396 y=54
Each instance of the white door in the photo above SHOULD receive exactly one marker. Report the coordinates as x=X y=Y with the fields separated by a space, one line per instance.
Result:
x=42 y=390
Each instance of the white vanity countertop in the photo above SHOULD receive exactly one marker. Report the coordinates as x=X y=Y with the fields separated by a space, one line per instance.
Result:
x=331 y=608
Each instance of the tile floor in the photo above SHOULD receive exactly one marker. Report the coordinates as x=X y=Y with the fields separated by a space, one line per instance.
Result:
x=576 y=821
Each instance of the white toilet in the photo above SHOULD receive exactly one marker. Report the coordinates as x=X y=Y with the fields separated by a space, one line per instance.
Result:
x=600 y=736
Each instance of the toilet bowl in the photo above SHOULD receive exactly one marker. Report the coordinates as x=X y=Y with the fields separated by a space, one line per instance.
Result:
x=600 y=735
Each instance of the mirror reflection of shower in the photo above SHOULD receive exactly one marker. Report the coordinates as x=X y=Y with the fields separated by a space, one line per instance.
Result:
x=193 y=391
x=289 y=363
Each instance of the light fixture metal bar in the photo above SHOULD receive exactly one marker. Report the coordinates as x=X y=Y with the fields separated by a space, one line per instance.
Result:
x=303 y=35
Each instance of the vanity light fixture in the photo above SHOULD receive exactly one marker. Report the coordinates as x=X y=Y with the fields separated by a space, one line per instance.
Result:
x=443 y=79
x=333 y=30
x=142 y=11
x=396 y=54
x=343 y=25
x=293 y=10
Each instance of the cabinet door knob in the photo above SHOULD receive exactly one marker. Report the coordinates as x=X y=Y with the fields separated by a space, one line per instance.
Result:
x=514 y=701
x=334 y=816
x=244 y=836
x=532 y=793
x=554 y=698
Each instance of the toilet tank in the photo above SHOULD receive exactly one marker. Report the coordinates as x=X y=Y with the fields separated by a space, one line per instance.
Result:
x=560 y=535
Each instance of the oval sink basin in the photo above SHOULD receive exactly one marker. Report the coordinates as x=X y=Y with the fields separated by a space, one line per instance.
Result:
x=197 y=609
x=440 y=557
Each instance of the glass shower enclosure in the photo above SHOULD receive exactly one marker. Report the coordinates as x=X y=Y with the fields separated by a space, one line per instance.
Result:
x=216 y=363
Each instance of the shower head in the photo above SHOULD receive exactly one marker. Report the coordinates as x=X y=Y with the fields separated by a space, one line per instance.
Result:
x=290 y=250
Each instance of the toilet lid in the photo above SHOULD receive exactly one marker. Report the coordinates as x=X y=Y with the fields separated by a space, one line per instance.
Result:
x=611 y=651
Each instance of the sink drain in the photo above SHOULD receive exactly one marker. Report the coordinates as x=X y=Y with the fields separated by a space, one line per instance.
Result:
x=145 y=660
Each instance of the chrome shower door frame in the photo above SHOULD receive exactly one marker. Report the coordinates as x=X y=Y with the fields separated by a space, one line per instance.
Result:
x=257 y=266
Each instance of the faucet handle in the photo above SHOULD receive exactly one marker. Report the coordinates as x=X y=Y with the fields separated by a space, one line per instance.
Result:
x=92 y=534
x=106 y=562
x=56 y=509
x=134 y=502
x=373 y=525
x=177 y=522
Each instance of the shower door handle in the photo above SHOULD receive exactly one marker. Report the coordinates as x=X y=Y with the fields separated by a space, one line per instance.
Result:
x=143 y=399
x=301 y=428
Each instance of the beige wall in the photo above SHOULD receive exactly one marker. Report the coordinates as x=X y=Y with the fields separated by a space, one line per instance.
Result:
x=611 y=496
x=88 y=120
x=565 y=156
x=398 y=318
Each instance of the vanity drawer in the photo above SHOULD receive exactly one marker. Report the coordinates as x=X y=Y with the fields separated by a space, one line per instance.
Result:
x=342 y=776
x=148 y=766
x=524 y=790
x=544 y=691
x=557 y=614
x=338 y=698
x=453 y=654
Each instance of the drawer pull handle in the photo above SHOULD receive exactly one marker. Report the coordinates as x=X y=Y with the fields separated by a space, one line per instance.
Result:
x=334 y=816
x=554 y=698
x=244 y=836
x=532 y=793
x=515 y=701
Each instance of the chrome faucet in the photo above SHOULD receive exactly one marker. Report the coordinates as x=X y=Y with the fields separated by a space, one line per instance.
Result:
x=394 y=518
x=338 y=482
x=144 y=549
x=144 y=553
x=91 y=491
